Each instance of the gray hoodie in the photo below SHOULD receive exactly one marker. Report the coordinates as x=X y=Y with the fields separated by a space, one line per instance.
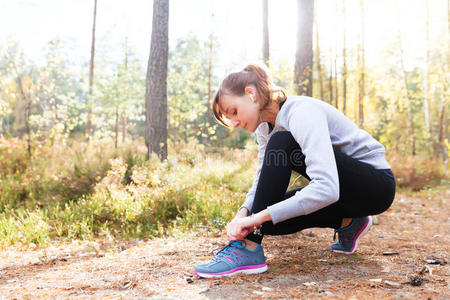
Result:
x=318 y=128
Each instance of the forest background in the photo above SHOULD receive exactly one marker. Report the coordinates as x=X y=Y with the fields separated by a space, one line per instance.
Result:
x=74 y=159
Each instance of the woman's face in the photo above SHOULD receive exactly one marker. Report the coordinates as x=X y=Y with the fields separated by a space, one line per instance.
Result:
x=241 y=110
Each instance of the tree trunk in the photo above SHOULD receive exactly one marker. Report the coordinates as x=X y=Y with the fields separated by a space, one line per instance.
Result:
x=442 y=147
x=156 y=82
x=27 y=100
x=265 y=32
x=361 y=94
x=319 y=66
x=122 y=115
x=8 y=126
x=344 y=67
x=407 y=99
x=330 y=78
x=27 y=125
x=208 y=106
x=304 y=53
x=426 y=86
x=336 y=103
x=116 y=128
x=442 y=127
x=124 y=127
x=344 y=58
x=91 y=78
x=55 y=118
x=358 y=71
x=336 y=81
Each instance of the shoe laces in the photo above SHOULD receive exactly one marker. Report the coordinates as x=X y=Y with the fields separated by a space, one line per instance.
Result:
x=225 y=250
x=341 y=234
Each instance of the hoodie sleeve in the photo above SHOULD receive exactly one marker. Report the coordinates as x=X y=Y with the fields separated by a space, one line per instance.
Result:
x=309 y=127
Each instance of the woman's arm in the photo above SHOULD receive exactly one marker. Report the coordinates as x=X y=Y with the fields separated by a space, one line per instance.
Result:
x=240 y=227
x=309 y=127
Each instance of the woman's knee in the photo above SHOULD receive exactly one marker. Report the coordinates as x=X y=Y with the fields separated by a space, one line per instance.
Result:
x=281 y=139
x=283 y=148
x=386 y=201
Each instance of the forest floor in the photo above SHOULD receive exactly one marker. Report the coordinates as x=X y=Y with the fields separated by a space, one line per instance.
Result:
x=410 y=239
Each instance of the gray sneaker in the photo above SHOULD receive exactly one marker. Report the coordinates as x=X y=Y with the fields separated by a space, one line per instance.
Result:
x=349 y=236
x=231 y=259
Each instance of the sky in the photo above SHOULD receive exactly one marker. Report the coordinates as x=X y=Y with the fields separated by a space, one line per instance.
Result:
x=236 y=23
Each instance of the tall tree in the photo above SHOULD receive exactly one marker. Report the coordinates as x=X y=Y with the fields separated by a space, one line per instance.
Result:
x=156 y=82
x=208 y=119
x=426 y=86
x=336 y=104
x=265 y=32
x=304 y=53
x=91 y=77
x=24 y=92
x=441 y=149
x=405 y=90
x=361 y=51
x=123 y=116
x=330 y=78
x=319 y=66
x=344 y=59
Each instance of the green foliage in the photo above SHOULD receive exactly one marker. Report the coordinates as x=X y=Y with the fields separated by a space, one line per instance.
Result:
x=188 y=94
x=120 y=194
x=119 y=90
x=69 y=189
x=24 y=226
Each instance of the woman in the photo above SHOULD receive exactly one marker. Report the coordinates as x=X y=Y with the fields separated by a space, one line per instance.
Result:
x=350 y=179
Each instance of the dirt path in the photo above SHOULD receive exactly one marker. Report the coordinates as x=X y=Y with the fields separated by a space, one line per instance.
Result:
x=300 y=265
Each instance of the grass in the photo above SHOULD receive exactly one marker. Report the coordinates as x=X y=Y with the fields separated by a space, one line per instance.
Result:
x=77 y=191
x=60 y=193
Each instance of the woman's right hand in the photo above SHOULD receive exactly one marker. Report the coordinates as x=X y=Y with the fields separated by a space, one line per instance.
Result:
x=235 y=230
x=242 y=213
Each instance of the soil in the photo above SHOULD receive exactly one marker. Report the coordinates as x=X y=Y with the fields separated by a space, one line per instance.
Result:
x=405 y=255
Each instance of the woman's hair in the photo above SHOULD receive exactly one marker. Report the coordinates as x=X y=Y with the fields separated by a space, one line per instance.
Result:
x=235 y=84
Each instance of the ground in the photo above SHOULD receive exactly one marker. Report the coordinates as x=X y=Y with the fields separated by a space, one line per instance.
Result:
x=414 y=232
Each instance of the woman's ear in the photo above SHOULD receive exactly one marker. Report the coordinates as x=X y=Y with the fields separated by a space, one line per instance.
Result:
x=249 y=90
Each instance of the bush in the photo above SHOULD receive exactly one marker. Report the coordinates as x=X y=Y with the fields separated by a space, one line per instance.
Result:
x=80 y=191
x=23 y=226
x=416 y=172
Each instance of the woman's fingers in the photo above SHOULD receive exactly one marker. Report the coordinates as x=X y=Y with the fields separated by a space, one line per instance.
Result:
x=237 y=230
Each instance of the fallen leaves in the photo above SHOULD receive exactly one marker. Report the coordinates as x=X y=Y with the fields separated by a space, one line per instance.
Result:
x=299 y=264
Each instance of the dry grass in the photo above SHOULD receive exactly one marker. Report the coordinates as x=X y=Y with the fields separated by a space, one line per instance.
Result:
x=300 y=265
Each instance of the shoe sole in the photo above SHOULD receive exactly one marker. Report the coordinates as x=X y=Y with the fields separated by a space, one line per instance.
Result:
x=358 y=237
x=245 y=270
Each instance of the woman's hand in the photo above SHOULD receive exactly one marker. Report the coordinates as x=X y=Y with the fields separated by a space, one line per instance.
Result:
x=240 y=227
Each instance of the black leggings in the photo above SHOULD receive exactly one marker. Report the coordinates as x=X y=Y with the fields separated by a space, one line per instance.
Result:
x=363 y=190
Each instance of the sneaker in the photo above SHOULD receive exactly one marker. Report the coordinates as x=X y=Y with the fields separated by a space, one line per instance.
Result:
x=231 y=259
x=349 y=236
